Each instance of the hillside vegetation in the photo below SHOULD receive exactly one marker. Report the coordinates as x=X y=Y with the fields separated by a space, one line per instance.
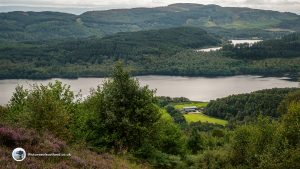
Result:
x=159 y=52
x=229 y=21
x=120 y=125
x=286 y=47
x=244 y=107
x=93 y=56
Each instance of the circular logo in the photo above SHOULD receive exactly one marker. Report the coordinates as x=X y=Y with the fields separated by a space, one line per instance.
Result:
x=19 y=154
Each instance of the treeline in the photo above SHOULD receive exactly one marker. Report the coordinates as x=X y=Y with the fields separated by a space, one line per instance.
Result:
x=184 y=63
x=123 y=118
x=245 y=107
x=286 y=47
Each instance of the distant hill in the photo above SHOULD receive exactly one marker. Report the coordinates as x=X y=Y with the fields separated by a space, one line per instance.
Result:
x=53 y=25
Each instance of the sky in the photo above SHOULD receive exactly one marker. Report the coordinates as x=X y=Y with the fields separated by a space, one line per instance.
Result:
x=80 y=6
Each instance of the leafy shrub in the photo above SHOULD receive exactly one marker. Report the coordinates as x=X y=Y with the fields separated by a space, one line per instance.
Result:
x=168 y=138
x=44 y=108
x=196 y=142
x=124 y=113
x=212 y=159
x=157 y=158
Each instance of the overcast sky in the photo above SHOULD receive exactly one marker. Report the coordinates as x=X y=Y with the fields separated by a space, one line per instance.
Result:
x=78 y=6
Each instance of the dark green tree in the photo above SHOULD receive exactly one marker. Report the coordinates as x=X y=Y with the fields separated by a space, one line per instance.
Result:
x=125 y=112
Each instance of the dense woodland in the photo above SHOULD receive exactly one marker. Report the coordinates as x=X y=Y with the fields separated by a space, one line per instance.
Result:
x=245 y=107
x=286 y=47
x=122 y=125
x=160 y=52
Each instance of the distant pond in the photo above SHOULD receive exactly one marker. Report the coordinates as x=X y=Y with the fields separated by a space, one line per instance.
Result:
x=194 y=88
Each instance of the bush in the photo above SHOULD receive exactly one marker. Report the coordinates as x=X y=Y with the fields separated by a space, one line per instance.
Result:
x=168 y=138
x=157 y=158
x=212 y=159
x=44 y=108
x=196 y=141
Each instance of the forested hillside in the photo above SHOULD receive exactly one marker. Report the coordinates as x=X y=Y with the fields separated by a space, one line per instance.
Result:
x=49 y=58
x=243 y=107
x=133 y=46
x=286 y=47
x=226 y=21
x=162 y=52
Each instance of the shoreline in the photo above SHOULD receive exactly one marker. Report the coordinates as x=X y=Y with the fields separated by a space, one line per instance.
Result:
x=287 y=77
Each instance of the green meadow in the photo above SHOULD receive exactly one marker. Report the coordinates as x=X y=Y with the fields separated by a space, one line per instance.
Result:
x=199 y=116
x=204 y=118
x=188 y=104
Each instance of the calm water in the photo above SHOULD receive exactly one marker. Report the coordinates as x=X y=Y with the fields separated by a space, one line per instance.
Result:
x=194 y=88
x=234 y=42
x=209 y=49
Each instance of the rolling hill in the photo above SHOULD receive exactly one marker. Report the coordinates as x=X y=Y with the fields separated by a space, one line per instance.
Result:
x=21 y=26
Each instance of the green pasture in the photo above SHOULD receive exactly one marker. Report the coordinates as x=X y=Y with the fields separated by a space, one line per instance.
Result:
x=204 y=118
x=188 y=104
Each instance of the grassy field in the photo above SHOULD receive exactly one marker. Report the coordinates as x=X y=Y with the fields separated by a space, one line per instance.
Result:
x=197 y=104
x=204 y=118
x=200 y=116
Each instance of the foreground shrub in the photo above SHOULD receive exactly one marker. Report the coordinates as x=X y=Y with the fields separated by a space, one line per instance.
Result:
x=211 y=159
x=44 y=108
x=268 y=144
x=124 y=113
x=166 y=147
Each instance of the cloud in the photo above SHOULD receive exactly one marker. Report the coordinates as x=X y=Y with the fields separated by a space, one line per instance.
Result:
x=281 y=5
